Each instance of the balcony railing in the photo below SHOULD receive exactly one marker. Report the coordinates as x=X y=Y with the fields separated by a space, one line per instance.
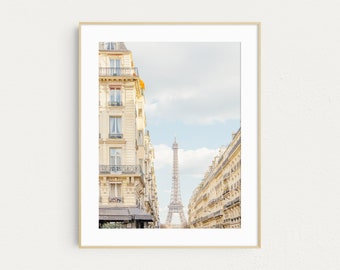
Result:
x=115 y=135
x=226 y=192
x=118 y=71
x=228 y=204
x=213 y=201
x=218 y=213
x=120 y=169
x=115 y=103
x=116 y=199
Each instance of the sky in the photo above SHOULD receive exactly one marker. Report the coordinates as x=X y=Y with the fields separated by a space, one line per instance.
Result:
x=192 y=92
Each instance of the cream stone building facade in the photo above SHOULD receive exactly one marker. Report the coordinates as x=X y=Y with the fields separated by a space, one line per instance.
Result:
x=216 y=202
x=127 y=183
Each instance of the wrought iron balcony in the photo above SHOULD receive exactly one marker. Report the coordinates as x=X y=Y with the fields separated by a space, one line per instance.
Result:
x=213 y=201
x=116 y=199
x=115 y=135
x=118 y=71
x=226 y=192
x=120 y=169
x=218 y=213
x=236 y=200
x=115 y=103
x=227 y=205
x=230 y=203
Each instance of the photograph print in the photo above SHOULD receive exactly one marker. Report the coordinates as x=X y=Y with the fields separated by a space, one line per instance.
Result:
x=169 y=135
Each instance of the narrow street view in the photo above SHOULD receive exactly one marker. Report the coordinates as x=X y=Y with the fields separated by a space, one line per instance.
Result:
x=170 y=144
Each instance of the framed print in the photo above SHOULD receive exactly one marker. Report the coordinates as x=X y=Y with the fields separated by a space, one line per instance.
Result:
x=169 y=135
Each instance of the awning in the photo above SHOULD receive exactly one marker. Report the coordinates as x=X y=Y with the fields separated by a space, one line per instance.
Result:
x=114 y=214
x=139 y=214
x=115 y=218
x=123 y=214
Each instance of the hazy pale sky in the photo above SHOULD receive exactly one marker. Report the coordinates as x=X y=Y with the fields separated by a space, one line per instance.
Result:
x=193 y=93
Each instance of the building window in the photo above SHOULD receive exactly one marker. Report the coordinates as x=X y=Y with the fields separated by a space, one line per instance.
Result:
x=110 y=46
x=116 y=192
x=107 y=46
x=140 y=111
x=115 y=128
x=115 y=67
x=140 y=137
x=115 y=97
x=115 y=160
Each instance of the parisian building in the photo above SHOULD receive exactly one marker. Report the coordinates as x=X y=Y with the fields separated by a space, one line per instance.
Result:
x=127 y=183
x=216 y=202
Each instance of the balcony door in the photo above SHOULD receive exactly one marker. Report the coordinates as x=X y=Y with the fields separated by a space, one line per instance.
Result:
x=116 y=192
x=115 y=128
x=115 y=160
x=114 y=67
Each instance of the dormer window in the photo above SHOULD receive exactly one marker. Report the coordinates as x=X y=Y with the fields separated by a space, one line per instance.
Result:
x=110 y=46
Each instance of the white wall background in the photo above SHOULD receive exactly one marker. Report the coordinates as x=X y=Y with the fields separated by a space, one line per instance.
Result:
x=300 y=134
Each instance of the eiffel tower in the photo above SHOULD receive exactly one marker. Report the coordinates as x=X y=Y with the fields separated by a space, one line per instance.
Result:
x=175 y=206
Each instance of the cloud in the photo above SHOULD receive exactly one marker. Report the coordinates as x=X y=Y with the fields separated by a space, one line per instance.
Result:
x=192 y=83
x=191 y=163
x=194 y=162
x=163 y=156
x=194 y=105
